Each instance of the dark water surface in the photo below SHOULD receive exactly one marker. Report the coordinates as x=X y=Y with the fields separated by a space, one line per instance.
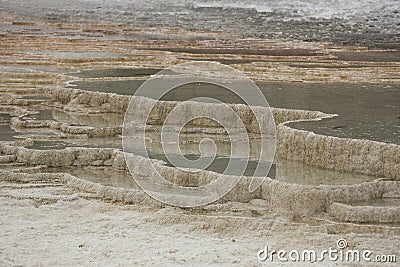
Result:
x=366 y=111
x=123 y=72
x=285 y=172
x=6 y=133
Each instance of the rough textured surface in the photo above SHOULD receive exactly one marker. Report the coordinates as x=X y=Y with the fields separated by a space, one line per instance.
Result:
x=43 y=211
x=294 y=199
x=85 y=222
x=364 y=214
x=354 y=155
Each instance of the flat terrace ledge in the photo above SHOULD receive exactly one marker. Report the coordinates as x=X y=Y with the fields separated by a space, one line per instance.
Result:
x=365 y=214
x=344 y=154
x=294 y=198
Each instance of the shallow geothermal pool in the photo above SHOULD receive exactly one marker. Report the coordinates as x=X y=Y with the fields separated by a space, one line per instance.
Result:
x=366 y=111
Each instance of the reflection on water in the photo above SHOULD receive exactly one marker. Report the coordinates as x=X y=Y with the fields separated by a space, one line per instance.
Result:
x=44 y=114
x=288 y=172
x=366 y=111
x=220 y=164
x=284 y=171
x=93 y=120
x=47 y=145
x=6 y=133
x=4 y=117
x=100 y=73
x=104 y=176
x=118 y=87
x=297 y=173
x=108 y=142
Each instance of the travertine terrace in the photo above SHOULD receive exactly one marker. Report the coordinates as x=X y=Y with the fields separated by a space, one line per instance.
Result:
x=83 y=130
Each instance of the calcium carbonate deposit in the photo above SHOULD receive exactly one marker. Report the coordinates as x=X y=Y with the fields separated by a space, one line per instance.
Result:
x=329 y=70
